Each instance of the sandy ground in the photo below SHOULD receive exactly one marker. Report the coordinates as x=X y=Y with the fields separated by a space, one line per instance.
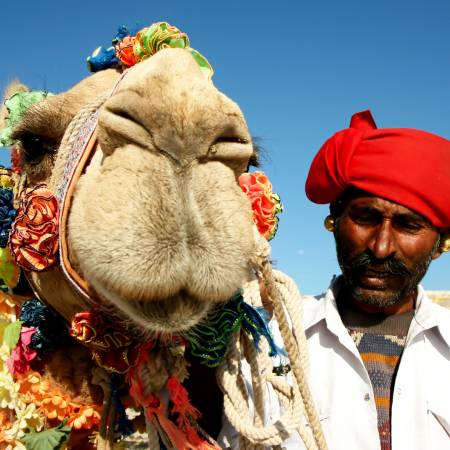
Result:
x=440 y=297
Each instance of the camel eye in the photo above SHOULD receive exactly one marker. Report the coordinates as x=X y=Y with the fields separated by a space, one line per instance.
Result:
x=35 y=148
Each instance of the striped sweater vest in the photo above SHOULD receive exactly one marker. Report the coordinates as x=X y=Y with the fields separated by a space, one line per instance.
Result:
x=380 y=341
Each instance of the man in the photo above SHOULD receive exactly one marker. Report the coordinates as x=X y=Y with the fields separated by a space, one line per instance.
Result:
x=379 y=349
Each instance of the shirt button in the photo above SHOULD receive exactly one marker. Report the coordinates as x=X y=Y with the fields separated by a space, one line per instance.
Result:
x=366 y=397
x=399 y=391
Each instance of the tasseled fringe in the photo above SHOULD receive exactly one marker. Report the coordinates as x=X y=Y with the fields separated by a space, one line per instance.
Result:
x=182 y=435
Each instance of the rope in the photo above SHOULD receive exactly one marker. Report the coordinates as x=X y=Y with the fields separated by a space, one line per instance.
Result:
x=105 y=439
x=296 y=347
x=236 y=400
x=153 y=436
x=296 y=404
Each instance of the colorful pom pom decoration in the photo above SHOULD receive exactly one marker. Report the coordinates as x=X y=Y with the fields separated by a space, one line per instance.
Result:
x=128 y=49
x=51 y=331
x=266 y=205
x=17 y=106
x=34 y=234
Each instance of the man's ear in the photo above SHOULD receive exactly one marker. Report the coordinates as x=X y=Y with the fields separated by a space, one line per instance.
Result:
x=444 y=245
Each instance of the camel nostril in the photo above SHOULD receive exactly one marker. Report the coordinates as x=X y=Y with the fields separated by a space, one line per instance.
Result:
x=120 y=126
x=230 y=139
x=231 y=149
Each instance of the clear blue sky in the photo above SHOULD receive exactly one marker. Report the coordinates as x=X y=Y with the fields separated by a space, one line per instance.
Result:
x=298 y=69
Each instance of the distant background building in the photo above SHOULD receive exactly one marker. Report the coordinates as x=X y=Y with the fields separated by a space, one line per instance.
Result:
x=440 y=297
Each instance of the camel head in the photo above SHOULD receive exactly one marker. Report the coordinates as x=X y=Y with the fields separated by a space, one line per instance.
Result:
x=158 y=227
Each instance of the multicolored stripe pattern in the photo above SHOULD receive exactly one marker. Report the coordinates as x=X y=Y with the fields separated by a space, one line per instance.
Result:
x=381 y=356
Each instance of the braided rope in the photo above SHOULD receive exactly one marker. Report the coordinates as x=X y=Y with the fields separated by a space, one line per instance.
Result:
x=256 y=366
x=258 y=391
x=294 y=306
x=153 y=436
x=280 y=385
x=297 y=353
x=236 y=402
x=237 y=410
x=297 y=406
x=105 y=435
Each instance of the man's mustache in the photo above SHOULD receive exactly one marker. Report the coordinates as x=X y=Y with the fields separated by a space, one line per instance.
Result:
x=390 y=265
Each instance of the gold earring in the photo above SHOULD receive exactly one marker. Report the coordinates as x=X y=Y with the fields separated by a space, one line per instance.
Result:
x=329 y=223
x=445 y=246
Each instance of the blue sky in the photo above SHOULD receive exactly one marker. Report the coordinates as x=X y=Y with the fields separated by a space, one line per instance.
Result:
x=298 y=69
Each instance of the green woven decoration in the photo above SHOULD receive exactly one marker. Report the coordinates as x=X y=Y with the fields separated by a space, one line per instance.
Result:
x=163 y=35
x=209 y=340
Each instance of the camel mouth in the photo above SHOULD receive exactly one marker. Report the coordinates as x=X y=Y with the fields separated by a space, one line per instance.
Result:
x=173 y=315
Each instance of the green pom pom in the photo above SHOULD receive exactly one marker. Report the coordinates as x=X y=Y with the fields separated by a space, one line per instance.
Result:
x=17 y=106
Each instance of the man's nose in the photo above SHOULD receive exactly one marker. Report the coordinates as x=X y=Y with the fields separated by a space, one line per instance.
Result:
x=383 y=242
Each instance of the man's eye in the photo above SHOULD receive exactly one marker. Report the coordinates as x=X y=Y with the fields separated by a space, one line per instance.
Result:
x=409 y=226
x=364 y=218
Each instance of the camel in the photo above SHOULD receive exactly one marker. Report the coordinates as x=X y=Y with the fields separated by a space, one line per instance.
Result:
x=168 y=143
x=155 y=234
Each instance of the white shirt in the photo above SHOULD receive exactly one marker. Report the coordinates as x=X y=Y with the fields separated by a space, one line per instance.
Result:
x=343 y=392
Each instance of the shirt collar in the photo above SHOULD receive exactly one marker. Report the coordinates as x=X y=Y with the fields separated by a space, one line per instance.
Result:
x=429 y=315
x=323 y=307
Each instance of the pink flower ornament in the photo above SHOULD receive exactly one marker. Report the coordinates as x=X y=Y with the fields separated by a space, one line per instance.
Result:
x=22 y=354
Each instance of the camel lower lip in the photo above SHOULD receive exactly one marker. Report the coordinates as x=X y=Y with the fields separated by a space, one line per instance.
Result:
x=175 y=314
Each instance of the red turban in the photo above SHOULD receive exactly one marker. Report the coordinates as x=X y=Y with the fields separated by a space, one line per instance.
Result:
x=406 y=166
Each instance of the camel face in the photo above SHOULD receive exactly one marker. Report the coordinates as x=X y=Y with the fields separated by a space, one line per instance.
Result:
x=158 y=227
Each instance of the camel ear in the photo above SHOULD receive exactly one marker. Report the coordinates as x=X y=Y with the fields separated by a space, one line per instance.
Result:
x=13 y=88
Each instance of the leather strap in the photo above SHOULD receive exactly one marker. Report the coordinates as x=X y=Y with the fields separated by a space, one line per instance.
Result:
x=85 y=144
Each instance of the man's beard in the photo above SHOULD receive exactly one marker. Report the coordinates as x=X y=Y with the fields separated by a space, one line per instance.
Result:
x=353 y=267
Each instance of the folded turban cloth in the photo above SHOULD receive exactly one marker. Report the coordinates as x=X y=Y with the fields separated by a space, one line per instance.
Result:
x=406 y=166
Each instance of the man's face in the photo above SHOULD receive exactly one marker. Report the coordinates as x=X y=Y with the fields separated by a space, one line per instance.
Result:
x=384 y=250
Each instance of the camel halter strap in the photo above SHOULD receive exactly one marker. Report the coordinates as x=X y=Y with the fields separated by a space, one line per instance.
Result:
x=82 y=144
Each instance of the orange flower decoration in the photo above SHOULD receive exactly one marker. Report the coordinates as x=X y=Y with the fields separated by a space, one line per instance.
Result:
x=5 y=421
x=8 y=308
x=55 y=404
x=34 y=235
x=124 y=51
x=32 y=386
x=84 y=417
x=265 y=203
x=55 y=407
